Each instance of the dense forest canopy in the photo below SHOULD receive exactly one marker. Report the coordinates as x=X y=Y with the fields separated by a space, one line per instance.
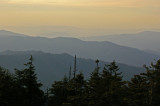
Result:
x=105 y=87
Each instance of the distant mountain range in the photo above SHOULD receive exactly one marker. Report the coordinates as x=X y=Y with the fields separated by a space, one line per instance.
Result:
x=148 y=40
x=51 y=67
x=4 y=33
x=105 y=50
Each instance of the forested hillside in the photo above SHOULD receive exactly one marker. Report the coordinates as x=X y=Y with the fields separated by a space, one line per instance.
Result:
x=102 y=88
x=51 y=67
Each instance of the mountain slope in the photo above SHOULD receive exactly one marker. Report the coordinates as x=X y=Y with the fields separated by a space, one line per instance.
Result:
x=9 y=33
x=105 y=51
x=51 y=67
x=148 y=40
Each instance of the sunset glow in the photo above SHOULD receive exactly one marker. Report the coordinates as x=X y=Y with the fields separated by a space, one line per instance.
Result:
x=113 y=15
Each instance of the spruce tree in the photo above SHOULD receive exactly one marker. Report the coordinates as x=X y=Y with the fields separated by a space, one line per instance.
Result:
x=93 y=87
x=29 y=86
x=112 y=85
x=7 y=88
x=59 y=93
x=152 y=76
x=138 y=91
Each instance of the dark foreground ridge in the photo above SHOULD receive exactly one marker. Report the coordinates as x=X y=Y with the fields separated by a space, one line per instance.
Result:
x=104 y=87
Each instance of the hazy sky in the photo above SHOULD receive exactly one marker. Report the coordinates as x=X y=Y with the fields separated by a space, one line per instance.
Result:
x=99 y=15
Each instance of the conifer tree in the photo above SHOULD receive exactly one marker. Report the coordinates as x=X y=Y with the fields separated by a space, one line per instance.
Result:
x=59 y=92
x=75 y=67
x=138 y=91
x=93 y=88
x=7 y=88
x=29 y=86
x=112 y=86
x=152 y=76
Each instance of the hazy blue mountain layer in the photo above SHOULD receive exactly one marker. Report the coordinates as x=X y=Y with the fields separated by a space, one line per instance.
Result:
x=148 y=40
x=51 y=67
x=105 y=50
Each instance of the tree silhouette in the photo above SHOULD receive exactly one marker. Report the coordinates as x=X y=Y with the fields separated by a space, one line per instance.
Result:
x=29 y=86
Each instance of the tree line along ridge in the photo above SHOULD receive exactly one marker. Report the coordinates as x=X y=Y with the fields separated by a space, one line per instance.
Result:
x=105 y=87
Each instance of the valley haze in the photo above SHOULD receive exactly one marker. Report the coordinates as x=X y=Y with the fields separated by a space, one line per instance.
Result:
x=103 y=50
x=54 y=56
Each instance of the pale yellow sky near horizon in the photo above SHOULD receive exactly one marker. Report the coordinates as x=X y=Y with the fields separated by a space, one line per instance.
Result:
x=109 y=15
